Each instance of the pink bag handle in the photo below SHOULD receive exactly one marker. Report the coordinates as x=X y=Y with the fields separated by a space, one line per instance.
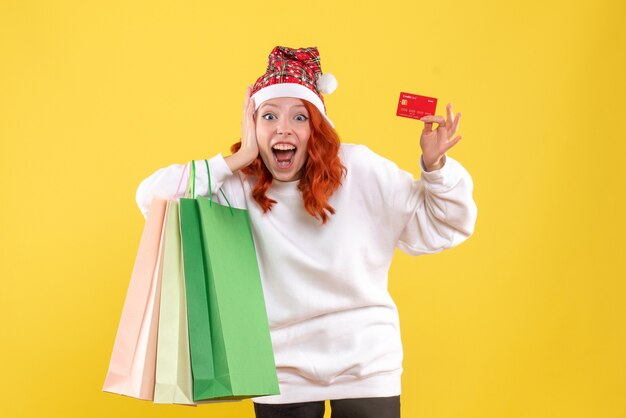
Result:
x=181 y=179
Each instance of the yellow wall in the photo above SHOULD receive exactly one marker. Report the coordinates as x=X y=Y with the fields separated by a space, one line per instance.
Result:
x=526 y=319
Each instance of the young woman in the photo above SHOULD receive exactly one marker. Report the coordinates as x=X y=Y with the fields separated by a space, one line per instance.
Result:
x=326 y=219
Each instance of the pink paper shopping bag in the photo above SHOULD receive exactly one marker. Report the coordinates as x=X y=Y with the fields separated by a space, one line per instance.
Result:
x=133 y=361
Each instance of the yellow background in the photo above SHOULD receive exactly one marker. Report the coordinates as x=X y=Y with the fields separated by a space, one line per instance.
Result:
x=526 y=319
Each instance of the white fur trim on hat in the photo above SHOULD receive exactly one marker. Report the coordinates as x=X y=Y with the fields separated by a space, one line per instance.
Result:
x=289 y=90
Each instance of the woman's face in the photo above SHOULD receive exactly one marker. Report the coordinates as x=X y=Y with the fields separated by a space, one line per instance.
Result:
x=283 y=131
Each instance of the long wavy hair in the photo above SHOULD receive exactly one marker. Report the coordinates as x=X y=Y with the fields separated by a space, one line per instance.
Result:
x=323 y=170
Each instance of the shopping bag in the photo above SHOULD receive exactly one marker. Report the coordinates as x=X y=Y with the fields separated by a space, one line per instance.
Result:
x=242 y=351
x=231 y=348
x=132 y=366
x=173 y=368
x=199 y=327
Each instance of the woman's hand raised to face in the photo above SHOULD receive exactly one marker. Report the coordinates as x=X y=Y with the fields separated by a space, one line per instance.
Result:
x=435 y=143
x=249 y=147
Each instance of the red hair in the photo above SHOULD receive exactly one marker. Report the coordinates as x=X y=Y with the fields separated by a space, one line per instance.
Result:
x=323 y=169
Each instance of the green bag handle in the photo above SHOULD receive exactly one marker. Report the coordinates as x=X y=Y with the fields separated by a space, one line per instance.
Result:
x=191 y=181
x=191 y=187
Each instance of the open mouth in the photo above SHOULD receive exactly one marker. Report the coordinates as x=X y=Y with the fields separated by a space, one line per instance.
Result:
x=284 y=155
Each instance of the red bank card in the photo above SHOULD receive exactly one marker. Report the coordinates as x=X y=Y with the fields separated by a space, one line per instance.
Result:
x=415 y=106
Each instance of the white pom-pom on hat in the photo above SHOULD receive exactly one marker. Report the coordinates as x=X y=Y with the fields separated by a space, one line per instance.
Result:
x=327 y=83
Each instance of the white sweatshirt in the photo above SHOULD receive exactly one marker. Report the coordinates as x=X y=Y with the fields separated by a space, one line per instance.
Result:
x=334 y=326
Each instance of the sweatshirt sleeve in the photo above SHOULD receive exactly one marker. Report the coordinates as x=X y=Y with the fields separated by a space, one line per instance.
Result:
x=165 y=181
x=437 y=211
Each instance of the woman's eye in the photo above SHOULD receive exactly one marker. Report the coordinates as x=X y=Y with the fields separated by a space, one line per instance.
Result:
x=268 y=116
x=301 y=118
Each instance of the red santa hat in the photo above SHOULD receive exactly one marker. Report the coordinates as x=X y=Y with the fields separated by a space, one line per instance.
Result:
x=294 y=73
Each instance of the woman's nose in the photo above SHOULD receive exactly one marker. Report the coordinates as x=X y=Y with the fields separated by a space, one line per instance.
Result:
x=284 y=128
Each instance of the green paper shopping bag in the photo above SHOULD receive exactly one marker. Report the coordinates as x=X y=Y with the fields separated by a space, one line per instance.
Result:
x=230 y=344
x=198 y=324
